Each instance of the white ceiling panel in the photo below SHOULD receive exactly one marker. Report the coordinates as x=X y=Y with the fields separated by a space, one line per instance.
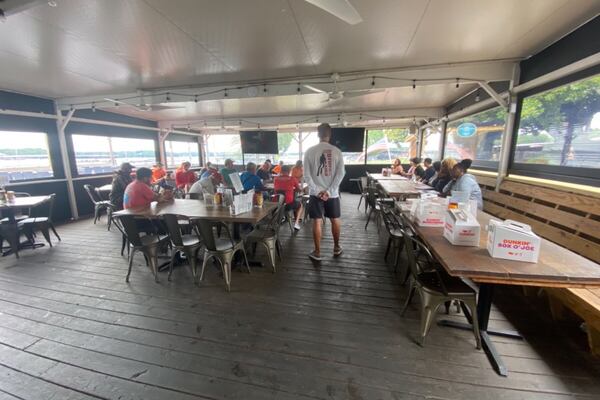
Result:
x=98 y=47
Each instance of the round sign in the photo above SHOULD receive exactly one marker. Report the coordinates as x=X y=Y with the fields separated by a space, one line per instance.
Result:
x=466 y=129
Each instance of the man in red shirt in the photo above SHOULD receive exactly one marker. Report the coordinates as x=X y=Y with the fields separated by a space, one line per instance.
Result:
x=184 y=178
x=288 y=185
x=139 y=194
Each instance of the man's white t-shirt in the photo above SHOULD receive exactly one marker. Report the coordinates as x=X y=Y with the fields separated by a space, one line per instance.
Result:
x=324 y=169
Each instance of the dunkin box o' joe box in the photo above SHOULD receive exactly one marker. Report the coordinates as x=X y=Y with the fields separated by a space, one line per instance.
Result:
x=513 y=240
x=461 y=228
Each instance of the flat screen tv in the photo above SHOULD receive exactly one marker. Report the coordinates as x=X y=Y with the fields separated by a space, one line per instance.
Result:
x=259 y=142
x=348 y=140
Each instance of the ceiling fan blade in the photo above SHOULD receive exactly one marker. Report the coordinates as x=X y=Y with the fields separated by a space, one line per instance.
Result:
x=314 y=89
x=341 y=9
x=357 y=93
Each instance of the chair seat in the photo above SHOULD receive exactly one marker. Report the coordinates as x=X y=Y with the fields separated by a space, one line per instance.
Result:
x=18 y=218
x=190 y=240
x=222 y=244
x=430 y=280
x=34 y=220
x=148 y=240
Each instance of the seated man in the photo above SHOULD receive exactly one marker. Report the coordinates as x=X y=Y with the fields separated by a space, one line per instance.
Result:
x=250 y=179
x=429 y=170
x=277 y=169
x=298 y=171
x=284 y=183
x=184 y=177
x=228 y=170
x=208 y=182
x=264 y=172
x=139 y=194
x=158 y=173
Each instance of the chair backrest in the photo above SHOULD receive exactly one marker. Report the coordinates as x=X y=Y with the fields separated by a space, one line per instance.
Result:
x=22 y=194
x=363 y=182
x=277 y=215
x=45 y=209
x=173 y=227
x=130 y=228
x=207 y=233
x=91 y=192
x=410 y=244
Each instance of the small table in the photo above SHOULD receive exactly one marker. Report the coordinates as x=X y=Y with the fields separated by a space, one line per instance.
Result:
x=391 y=177
x=556 y=267
x=10 y=231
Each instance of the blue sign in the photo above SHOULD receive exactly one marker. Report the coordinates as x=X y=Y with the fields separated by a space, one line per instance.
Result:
x=466 y=129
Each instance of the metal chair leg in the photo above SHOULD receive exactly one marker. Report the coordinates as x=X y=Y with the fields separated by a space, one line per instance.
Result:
x=204 y=262
x=368 y=218
x=387 y=248
x=411 y=293
x=475 y=321
x=171 y=265
x=54 y=231
x=130 y=265
x=271 y=253
x=46 y=233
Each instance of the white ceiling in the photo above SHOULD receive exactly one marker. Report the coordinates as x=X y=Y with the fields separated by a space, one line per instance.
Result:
x=96 y=47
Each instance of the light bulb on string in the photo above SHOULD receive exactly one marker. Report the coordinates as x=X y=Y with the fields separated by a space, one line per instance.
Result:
x=414 y=84
x=457 y=83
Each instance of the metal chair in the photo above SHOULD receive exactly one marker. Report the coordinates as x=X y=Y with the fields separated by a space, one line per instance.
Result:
x=124 y=241
x=287 y=216
x=361 y=184
x=222 y=249
x=187 y=243
x=395 y=229
x=149 y=245
x=99 y=204
x=42 y=223
x=375 y=200
x=268 y=234
x=435 y=287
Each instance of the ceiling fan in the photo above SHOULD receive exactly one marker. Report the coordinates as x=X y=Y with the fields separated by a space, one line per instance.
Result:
x=337 y=94
x=341 y=9
x=143 y=106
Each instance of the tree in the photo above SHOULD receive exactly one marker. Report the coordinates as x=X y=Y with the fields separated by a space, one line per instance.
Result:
x=284 y=140
x=566 y=106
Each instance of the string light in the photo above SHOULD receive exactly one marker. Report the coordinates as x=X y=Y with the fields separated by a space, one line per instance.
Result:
x=93 y=107
x=298 y=88
x=477 y=98
x=373 y=81
x=195 y=98
x=265 y=88
x=225 y=94
x=360 y=116
x=168 y=97
x=189 y=128
x=414 y=84
x=457 y=82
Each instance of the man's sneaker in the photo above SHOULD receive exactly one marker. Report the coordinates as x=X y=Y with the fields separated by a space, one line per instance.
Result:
x=337 y=251
x=314 y=256
x=297 y=227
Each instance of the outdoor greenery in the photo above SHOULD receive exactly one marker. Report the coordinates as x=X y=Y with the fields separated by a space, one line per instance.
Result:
x=561 y=110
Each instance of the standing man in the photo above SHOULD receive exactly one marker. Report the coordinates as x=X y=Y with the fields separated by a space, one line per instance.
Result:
x=324 y=171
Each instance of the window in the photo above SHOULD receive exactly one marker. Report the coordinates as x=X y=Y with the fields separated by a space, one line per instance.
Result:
x=431 y=144
x=103 y=154
x=478 y=136
x=385 y=145
x=220 y=147
x=561 y=126
x=24 y=155
x=289 y=148
x=178 y=152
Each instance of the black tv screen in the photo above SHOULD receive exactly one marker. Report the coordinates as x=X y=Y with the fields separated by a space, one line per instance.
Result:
x=259 y=142
x=348 y=140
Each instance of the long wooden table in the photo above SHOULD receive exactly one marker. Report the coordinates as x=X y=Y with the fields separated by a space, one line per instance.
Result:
x=556 y=267
x=400 y=189
x=197 y=209
x=391 y=177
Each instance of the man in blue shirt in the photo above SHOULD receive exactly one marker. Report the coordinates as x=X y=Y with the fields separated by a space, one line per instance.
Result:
x=250 y=180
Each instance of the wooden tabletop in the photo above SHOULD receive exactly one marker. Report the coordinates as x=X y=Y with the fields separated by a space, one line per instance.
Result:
x=25 y=202
x=396 y=188
x=198 y=210
x=392 y=177
x=556 y=266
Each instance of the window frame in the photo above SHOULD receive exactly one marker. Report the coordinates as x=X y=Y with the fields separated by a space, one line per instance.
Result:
x=167 y=166
x=490 y=166
x=579 y=175
x=50 y=159
x=73 y=159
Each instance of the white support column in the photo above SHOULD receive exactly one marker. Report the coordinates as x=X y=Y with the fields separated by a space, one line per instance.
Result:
x=420 y=135
x=61 y=124
x=162 y=136
x=509 y=130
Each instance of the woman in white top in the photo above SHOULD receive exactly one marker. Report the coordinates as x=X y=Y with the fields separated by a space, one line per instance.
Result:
x=464 y=182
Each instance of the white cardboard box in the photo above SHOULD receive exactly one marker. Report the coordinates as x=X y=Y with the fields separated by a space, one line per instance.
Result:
x=513 y=240
x=462 y=228
x=429 y=213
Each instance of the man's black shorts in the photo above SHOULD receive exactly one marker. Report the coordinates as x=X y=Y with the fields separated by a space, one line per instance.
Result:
x=318 y=208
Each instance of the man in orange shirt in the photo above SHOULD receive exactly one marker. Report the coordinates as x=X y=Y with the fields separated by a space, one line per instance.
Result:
x=158 y=173
x=288 y=185
x=277 y=169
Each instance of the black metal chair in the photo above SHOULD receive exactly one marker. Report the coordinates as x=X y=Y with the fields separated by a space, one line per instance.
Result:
x=148 y=244
x=361 y=184
x=187 y=243
x=99 y=204
x=268 y=234
x=222 y=249
x=124 y=242
x=42 y=221
x=375 y=201
x=395 y=230
x=435 y=287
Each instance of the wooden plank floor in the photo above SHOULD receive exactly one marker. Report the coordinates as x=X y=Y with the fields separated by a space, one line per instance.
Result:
x=71 y=328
